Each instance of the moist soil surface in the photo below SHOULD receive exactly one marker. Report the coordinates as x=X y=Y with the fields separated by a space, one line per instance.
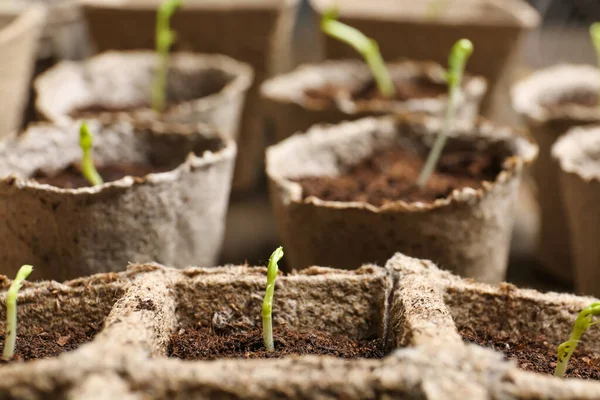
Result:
x=50 y=344
x=536 y=353
x=406 y=89
x=203 y=344
x=94 y=110
x=72 y=178
x=391 y=175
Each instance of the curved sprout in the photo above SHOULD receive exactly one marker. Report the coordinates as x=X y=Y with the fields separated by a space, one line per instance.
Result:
x=86 y=142
x=11 y=312
x=584 y=320
x=165 y=38
x=267 y=307
x=367 y=47
x=460 y=53
x=595 y=35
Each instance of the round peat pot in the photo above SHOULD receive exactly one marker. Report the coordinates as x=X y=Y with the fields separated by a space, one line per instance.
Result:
x=117 y=85
x=20 y=30
x=336 y=91
x=551 y=102
x=345 y=194
x=164 y=198
x=578 y=155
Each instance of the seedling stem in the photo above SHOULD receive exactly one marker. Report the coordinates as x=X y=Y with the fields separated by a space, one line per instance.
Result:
x=584 y=320
x=267 y=307
x=460 y=53
x=88 y=169
x=11 y=312
x=367 y=47
x=164 y=40
x=595 y=34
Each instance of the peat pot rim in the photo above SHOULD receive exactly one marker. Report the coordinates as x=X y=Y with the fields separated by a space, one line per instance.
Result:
x=201 y=5
x=523 y=148
x=227 y=151
x=23 y=19
x=242 y=76
x=528 y=95
x=290 y=88
x=575 y=152
x=495 y=13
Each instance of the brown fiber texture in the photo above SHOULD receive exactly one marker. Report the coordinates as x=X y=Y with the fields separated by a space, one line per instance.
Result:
x=175 y=217
x=213 y=26
x=290 y=110
x=140 y=308
x=467 y=232
x=546 y=125
x=578 y=156
x=19 y=35
x=426 y=30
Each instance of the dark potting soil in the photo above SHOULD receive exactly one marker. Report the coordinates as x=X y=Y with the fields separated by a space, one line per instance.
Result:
x=50 y=344
x=585 y=98
x=94 y=110
x=391 y=175
x=71 y=177
x=202 y=344
x=406 y=89
x=536 y=353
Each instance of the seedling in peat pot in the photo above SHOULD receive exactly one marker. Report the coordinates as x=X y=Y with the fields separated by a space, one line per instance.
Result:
x=595 y=34
x=584 y=320
x=164 y=39
x=11 y=312
x=267 y=307
x=88 y=169
x=367 y=47
x=460 y=53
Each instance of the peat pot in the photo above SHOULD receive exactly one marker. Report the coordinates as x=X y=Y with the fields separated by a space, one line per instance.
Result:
x=345 y=194
x=336 y=91
x=20 y=30
x=552 y=101
x=426 y=30
x=258 y=32
x=164 y=199
x=124 y=334
x=578 y=156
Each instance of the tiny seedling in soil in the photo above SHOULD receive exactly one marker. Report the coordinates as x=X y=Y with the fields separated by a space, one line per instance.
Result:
x=367 y=47
x=584 y=320
x=164 y=40
x=267 y=307
x=86 y=142
x=11 y=312
x=595 y=34
x=460 y=53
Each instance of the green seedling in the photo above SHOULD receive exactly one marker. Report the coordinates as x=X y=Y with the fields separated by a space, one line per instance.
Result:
x=165 y=38
x=267 y=307
x=11 y=312
x=460 y=53
x=595 y=34
x=367 y=47
x=88 y=169
x=584 y=320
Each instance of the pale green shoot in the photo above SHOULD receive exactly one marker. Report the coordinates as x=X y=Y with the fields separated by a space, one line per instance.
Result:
x=165 y=38
x=460 y=53
x=267 y=307
x=595 y=34
x=88 y=169
x=584 y=320
x=367 y=47
x=10 y=337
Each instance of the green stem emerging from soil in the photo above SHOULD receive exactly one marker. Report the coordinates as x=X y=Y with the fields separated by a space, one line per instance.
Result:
x=367 y=47
x=11 y=312
x=267 y=307
x=584 y=320
x=595 y=34
x=460 y=53
x=88 y=169
x=164 y=40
